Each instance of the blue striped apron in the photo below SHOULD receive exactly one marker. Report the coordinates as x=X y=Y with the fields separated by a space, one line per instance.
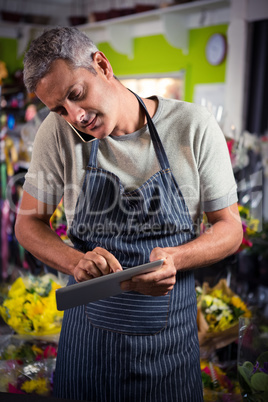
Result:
x=131 y=347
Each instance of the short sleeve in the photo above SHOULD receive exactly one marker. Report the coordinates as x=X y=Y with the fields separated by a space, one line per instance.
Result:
x=44 y=179
x=218 y=187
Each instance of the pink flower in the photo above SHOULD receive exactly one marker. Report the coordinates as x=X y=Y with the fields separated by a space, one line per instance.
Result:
x=230 y=144
x=50 y=351
x=206 y=370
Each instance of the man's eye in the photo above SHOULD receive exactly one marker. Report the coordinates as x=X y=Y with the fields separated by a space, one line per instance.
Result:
x=74 y=96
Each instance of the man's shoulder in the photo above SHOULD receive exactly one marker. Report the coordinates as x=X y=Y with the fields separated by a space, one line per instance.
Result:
x=53 y=129
x=54 y=121
x=184 y=108
x=185 y=118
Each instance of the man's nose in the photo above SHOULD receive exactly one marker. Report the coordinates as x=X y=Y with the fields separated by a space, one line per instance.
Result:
x=75 y=113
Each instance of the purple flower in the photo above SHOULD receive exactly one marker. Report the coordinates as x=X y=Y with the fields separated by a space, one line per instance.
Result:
x=61 y=230
x=265 y=368
x=255 y=367
x=244 y=226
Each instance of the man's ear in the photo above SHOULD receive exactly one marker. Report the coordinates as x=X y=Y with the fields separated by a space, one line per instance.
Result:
x=102 y=63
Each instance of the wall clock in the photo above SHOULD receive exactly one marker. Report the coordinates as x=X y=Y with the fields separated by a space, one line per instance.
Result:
x=216 y=49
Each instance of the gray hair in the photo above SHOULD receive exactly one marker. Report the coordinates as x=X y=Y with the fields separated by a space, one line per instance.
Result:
x=67 y=43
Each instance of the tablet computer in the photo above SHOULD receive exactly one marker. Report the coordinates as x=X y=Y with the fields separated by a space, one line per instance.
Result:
x=101 y=287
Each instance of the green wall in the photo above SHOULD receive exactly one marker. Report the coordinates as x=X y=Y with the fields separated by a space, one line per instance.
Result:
x=8 y=54
x=153 y=54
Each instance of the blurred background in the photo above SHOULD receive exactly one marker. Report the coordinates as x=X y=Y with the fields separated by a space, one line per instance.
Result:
x=211 y=52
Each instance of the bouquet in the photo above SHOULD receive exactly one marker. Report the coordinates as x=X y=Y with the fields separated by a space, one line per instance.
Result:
x=30 y=306
x=27 y=367
x=252 y=364
x=253 y=378
x=218 y=314
x=250 y=227
x=218 y=385
x=58 y=221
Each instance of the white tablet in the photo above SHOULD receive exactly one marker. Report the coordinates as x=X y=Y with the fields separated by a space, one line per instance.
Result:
x=101 y=287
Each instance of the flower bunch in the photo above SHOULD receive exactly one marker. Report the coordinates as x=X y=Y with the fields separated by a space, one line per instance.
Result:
x=217 y=380
x=29 y=378
x=218 y=312
x=38 y=386
x=222 y=309
x=27 y=366
x=250 y=227
x=28 y=351
x=30 y=306
x=253 y=378
x=58 y=221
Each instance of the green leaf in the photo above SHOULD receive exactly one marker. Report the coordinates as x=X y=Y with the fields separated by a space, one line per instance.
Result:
x=248 y=366
x=259 y=382
x=244 y=375
x=265 y=396
x=25 y=352
x=206 y=379
x=263 y=358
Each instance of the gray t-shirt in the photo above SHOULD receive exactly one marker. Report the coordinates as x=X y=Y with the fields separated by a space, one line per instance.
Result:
x=194 y=144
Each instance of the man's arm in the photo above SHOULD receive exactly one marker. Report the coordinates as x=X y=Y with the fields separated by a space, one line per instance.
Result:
x=33 y=232
x=222 y=239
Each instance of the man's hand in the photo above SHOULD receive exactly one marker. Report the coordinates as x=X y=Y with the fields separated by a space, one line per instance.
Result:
x=157 y=283
x=95 y=263
x=219 y=241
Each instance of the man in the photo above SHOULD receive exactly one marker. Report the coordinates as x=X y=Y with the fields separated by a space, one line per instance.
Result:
x=133 y=194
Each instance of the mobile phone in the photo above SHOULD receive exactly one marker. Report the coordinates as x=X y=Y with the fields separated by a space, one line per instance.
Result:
x=83 y=136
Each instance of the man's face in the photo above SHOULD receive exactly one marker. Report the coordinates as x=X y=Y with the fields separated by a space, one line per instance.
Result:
x=83 y=99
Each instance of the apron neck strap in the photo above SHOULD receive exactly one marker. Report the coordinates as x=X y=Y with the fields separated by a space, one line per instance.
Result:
x=158 y=146
x=93 y=153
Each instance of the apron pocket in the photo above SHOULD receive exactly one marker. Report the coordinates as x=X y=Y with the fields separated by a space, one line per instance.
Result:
x=130 y=313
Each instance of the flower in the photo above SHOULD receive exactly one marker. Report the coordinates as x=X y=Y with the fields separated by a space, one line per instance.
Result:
x=28 y=365
x=220 y=307
x=39 y=386
x=217 y=313
x=58 y=221
x=253 y=378
x=30 y=306
x=214 y=378
x=3 y=71
x=239 y=305
x=250 y=227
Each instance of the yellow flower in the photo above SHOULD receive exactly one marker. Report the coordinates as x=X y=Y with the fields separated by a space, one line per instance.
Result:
x=33 y=309
x=217 y=313
x=224 y=322
x=253 y=226
x=14 y=322
x=37 y=350
x=243 y=211
x=17 y=289
x=237 y=302
x=28 y=386
x=218 y=293
x=38 y=386
x=27 y=311
x=211 y=319
x=14 y=305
